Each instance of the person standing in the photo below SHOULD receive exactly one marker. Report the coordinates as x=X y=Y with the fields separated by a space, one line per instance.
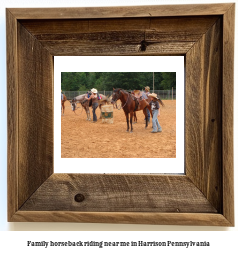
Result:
x=147 y=92
x=94 y=98
x=155 y=108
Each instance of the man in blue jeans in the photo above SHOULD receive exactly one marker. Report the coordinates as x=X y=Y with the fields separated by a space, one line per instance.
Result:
x=155 y=107
x=94 y=98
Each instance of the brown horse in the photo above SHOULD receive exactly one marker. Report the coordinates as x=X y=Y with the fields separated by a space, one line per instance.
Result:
x=62 y=104
x=130 y=104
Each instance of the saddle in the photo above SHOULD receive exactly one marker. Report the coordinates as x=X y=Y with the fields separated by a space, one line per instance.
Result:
x=138 y=94
x=137 y=98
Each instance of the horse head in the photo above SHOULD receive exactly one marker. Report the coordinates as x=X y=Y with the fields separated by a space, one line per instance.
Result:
x=116 y=94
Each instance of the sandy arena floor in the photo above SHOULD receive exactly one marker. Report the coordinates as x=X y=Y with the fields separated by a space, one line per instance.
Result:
x=83 y=139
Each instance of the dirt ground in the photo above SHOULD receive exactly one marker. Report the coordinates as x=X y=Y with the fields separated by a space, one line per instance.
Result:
x=83 y=139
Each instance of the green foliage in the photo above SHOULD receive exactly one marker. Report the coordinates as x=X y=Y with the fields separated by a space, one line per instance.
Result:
x=83 y=81
x=81 y=88
x=169 y=80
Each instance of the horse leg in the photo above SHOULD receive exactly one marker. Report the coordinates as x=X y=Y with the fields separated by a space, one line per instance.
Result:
x=134 y=117
x=127 y=121
x=131 y=116
x=62 y=108
x=100 y=111
x=146 y=117
x=86 y=110
x=88 y=115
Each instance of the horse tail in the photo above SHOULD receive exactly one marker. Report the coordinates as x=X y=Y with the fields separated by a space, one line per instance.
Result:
x=161 y=102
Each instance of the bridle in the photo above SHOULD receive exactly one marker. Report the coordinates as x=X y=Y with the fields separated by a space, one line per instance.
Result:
x=117 y=95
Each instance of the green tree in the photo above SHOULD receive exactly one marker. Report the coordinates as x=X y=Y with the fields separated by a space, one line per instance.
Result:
x=81 y=81
x=169 y=80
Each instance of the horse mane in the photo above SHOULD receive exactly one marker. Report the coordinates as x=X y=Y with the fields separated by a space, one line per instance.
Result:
x=120 y=89
x=117 y=90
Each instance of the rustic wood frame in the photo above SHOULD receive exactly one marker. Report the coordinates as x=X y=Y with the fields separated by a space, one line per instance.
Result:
x=204 y=34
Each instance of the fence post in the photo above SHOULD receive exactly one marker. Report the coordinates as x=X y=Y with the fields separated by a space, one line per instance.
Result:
x=172 y=94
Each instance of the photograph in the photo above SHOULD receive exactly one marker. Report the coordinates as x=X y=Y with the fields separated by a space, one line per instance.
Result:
x=139 y=103
x=114 y=109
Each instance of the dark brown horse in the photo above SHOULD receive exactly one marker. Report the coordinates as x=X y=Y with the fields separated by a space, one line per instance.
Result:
x=130 y=104
x=62 y=104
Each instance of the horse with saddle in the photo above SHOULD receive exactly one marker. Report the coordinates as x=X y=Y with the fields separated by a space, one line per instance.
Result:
x=86 y=104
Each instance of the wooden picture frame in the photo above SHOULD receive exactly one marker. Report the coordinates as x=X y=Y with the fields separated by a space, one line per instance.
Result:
x=204 y=34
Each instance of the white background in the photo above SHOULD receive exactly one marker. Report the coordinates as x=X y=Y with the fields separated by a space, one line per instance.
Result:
x=221 y=240
x=120 y=64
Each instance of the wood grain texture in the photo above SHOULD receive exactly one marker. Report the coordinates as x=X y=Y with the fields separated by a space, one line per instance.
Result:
x=204 y=114
x=35 y=84
x=191 y=219
x=119 y=36
x=227 y=113
x=189 y=26
x=12 y=114
x=204 y=196
x=115 y=49
x=121 y=12
x=117 y=193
